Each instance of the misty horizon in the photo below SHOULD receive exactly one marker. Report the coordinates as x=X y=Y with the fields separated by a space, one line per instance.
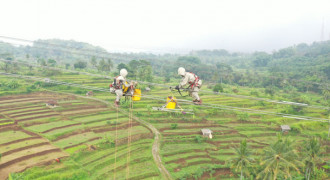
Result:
x=171 y=26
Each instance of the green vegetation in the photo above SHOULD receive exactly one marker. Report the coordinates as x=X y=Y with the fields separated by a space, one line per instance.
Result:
x=244 y=143
x=243 y=159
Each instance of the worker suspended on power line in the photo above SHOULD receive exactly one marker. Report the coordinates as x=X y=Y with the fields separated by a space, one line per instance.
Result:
x=118 y=85
x=194 y=84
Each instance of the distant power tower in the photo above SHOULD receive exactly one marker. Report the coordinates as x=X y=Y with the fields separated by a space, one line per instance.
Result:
x=322 y=30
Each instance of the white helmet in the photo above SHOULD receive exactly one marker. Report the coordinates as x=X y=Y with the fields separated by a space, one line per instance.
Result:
x=123 y=72
x=181 y=71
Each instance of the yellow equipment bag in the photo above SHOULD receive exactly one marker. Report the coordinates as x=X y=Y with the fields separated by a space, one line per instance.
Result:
x=171 y=102
x=137 y=95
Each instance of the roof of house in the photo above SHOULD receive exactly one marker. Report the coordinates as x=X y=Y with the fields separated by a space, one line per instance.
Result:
x=206 y=131
x=52 y=102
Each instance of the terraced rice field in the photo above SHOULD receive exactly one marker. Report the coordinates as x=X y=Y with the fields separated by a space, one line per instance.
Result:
x=36 y=135
x=94 y=136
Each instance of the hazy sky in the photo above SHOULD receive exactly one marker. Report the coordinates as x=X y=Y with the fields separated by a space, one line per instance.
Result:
x=133 y=25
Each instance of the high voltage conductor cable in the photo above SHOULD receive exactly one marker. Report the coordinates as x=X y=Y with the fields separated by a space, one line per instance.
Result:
x=119 y=57
x=167 y=86
x=216 y=106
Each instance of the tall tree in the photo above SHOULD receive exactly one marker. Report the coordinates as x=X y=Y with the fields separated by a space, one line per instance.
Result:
x=312 y=152
x=80 y=65
x=279 y=159
x=93 y=62
x=67 y=65
x=109 y=65
x=6 y=66
x=242 y=158
x=102 y=65
x=122 y=66
x=51 y=62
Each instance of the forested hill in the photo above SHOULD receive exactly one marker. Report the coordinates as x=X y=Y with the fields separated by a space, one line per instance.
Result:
x=311 y=59
x=302 y=62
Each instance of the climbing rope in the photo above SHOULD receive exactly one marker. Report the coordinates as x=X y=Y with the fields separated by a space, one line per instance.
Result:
x=116 y=136
x=129 y=136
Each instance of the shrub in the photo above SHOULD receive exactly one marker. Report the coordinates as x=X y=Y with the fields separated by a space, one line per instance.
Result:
x=78 y=92
x=174 y=126
x=270 y=90
x=218 y=88
x=296 y=128
x=199 y=139
x=243 y=116
x=13 y=84
x=254 y=93
x=235 y=90
x=260 y=103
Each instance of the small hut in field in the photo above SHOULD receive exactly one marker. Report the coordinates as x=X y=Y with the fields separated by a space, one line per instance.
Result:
x=89 y=93
x=52 y=104
x=285 y=128
x=207 y=133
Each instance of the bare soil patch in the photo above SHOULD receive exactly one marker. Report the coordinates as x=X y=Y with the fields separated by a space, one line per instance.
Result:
x=79 y=108
x=18 y=160
x=218 y=173
x=192 y=127
x=89 y=140
x=181 y=133
x=19 y=140
x=71 y=134
x=32 y=110
x=15 y=107
x=24 y=148
x=83 y=111
x=185 y=152
x=38 y=117
x=121 y=126
x=61 y=127
x=23 y=164
x=179 y=161
x=32 y=113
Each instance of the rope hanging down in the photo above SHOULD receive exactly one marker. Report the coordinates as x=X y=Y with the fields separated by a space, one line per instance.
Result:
x=129 y=136
x=116 y=137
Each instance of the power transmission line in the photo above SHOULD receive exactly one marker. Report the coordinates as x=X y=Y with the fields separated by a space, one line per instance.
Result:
x=215 y=106
x=109 y=55
x=167 y=86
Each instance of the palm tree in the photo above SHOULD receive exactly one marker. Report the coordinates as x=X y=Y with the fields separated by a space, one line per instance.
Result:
x=242 y=159
x=279 y=159
x=313 y=151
